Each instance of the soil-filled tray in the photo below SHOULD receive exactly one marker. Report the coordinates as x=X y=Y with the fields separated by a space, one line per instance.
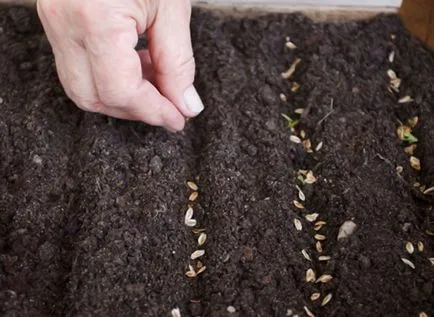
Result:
x=93 y=209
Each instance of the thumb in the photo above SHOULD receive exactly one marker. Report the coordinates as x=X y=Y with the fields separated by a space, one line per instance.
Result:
x=172 y=56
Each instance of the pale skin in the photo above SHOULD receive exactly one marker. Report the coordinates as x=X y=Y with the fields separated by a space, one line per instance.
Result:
x=93 y=44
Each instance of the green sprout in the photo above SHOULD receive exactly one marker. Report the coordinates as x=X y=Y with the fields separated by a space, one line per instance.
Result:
x=410 y=138
x=291 y=122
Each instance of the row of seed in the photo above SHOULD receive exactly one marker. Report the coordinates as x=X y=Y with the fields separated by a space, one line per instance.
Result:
x=404 y=133
x=306 y=177
x=189 y=221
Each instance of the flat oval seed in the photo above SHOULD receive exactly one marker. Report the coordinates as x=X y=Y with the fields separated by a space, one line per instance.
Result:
x=197 y=254
x=315 y=296
x=324 y=258
x=192 y=186
x=201 y=270
x=325 y=278
x=295 y=139
x=297 y=224
x=312 y=217
x=306 y=255
x=176 y=312
x=320 y=237
x=193 y=196
x=318 y=246
x=298 y=204
x=408 y=262
x=310 y=275
x=326 y=299
x=308 y=312
x=202 y=238
x=190 y=274
x=409 y=247
x=420 y=246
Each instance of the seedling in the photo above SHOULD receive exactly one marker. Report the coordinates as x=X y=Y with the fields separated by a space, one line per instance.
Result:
x=291 y=122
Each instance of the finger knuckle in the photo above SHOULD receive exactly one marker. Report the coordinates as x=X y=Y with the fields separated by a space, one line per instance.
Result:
x=115 y=97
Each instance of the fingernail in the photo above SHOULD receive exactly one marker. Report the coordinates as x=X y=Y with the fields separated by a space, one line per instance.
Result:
x=192 y=100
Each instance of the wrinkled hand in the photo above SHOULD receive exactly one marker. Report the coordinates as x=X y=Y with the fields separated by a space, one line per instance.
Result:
x=93 y=44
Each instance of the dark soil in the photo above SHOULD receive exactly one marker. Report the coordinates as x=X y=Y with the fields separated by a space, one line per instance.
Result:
x=92 y=208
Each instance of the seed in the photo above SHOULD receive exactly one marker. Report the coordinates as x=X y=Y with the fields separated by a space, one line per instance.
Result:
x=391 y=74
x=310 y=276
x=189 y=213
x=290 y=45
x=199 y=264
x=318 y=246
x=415 y=163
x=306 y=255
x=307 y=144
x=310 y=179
x=191 y=274
x=325 y=278
x=192 y=186
x=299 y=111
x=391 y=56
x=405 y=99
x=395 y=83
x=326 y=299
x=193 y=196
x=320 y=237
x=429 y=191
x=300 y=193
x=231 y=309
x=297 y=224
x=413 y=121
x=202 y=238
x=291 y=70
x=399 y=169
x=402 y=131
x=409 y=247
x=416 y=184
x=319 y=146
x=308 y=312
x=302 y=134
x=312 y=217
x=298 y=204
x=283 y=97
x=423 y=314
x=295 y=87
x=324 y=258
x=431 y=260
x=191 y=222
x=198 y=230
x=176 y=312
x=197 y=254
x=319 y=225
x=420 y=246
x=315 y=296
x=295 y=139
x=422 y=188
x=201 y=270
x=408 y=262
x=410 y=149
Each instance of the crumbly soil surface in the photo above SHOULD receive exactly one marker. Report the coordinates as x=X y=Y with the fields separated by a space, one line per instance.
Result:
x=92 y=208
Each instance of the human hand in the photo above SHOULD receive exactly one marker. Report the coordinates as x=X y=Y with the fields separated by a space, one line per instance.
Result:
x=93 y=43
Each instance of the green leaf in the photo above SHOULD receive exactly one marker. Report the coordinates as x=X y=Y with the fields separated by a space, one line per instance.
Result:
x=291 y=122
x=410 y=138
